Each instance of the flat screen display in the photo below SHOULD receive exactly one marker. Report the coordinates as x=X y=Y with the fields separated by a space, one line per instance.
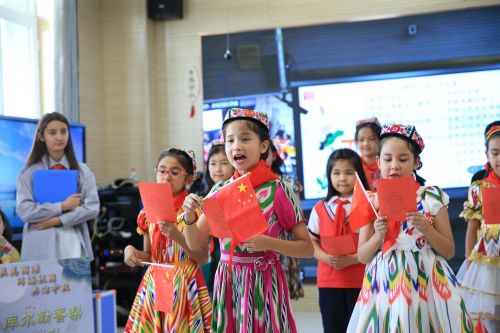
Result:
x=449 y=110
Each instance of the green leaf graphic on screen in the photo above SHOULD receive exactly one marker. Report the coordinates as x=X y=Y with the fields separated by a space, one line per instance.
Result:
x=321 y=183
x=330 y=139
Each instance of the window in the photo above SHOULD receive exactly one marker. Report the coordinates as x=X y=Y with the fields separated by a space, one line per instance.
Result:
x=19 y=73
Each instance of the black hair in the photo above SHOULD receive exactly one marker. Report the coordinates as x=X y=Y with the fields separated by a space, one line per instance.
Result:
x=374 y=127
x=414 y=149
x=39 y=148
x=181 y=156
x=255 y=126
x=278 y=161
x=7 y=230
x=208 y=182
x=353 y=158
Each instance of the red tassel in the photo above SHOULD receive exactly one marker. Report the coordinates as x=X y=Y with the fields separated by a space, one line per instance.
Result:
x=191 y=115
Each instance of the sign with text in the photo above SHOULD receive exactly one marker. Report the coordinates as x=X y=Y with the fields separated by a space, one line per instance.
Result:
x=46 y=296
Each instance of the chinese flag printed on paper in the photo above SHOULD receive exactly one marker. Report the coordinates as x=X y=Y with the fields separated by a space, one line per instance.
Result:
x=241 y=209
x=362 y=210
x=164 y=288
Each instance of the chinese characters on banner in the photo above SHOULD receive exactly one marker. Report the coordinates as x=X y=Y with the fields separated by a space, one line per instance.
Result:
x=50 y=296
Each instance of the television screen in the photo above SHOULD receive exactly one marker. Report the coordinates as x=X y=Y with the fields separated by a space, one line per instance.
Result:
x=16 y=137
x=449 y=110
x=279 y=111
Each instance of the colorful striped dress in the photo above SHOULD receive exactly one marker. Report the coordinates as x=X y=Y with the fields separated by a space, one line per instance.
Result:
x=411 y=288
x=480 y=280
x=8 y=253
x=192 y=308
x=254 y=296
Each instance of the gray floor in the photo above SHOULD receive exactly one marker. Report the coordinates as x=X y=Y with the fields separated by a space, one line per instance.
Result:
x=305 y=310
x=308 y=322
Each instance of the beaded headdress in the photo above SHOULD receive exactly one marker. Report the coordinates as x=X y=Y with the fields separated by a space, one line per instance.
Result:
x=236 y=113
x=406 y=132
x=366 y=121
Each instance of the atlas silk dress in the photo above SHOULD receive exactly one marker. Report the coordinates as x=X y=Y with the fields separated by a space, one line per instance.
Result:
x=410 y=288
x=192 y=310
x=254 y=296
x=480 y=280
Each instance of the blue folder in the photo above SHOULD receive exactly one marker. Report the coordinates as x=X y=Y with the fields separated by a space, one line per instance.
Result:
x=51 y=186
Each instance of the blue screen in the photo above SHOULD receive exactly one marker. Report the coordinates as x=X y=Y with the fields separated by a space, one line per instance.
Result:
x=16 y=138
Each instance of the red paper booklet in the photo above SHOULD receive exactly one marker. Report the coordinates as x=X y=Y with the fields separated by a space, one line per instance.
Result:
x=215 y=218
x=340 y=245
x=158 y=202
x=396 y=197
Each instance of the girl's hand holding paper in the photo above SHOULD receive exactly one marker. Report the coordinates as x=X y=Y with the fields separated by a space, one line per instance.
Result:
x=380 y=226
x=258 y=244
x=170 y=231
x=340 y=262
x=418 y=221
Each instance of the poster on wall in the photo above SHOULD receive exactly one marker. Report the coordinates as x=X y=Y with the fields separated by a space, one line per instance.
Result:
x=280 y=115
x=49 y=296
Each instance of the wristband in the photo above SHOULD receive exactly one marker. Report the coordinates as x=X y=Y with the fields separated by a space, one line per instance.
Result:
x=188 y=223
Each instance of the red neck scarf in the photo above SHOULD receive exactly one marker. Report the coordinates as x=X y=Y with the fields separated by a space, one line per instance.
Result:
x=260 y=174
x=179 y=199
x=340 y=216
x=372 y=167
x=492 y=178
x=58 y=166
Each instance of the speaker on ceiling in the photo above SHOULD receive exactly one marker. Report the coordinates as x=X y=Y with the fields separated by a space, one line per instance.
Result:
x=165 y=9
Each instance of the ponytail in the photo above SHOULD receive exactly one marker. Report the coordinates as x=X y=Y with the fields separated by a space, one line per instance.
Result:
x=419 y=179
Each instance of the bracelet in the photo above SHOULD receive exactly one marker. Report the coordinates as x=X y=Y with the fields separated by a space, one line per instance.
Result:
x=188 y=223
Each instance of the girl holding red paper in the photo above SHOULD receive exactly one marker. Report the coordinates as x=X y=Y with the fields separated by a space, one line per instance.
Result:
x=164 y=243
x=367 y=141
x=479 y=276
x=250 y=290
x=409 y=287
x=340 y=274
